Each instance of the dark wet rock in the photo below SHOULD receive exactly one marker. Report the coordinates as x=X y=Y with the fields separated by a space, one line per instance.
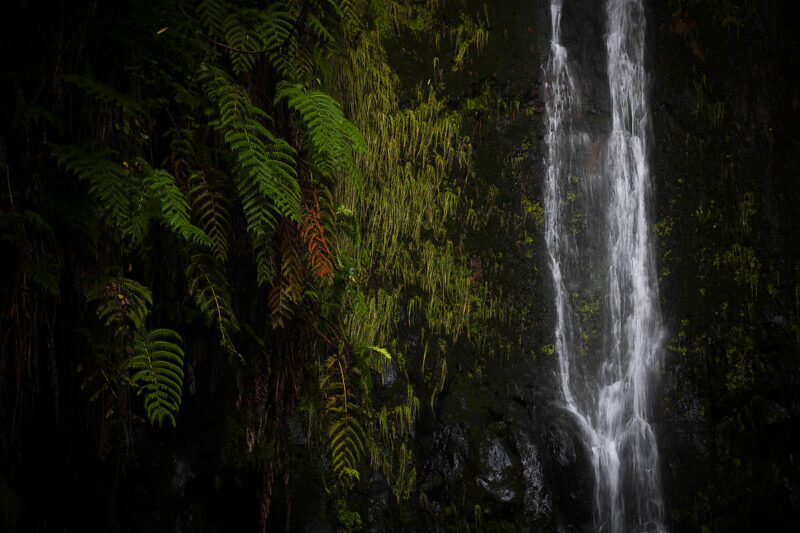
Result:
x=537 y=501
x=446 y=461
x=569 y=472
x=561 y=445
x=378 y=499
x=499 y=470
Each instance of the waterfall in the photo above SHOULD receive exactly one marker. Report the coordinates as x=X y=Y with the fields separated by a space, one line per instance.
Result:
x=609 y=334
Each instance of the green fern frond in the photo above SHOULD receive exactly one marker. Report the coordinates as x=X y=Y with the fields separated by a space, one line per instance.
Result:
x=377 y=358
x=44 y=273
x=346 y=436
x=333 y=138
x=350 y=15
x=267 y=176
x=276 y=30
x=244 y=43
x=265 y=262
x=174 y=206
x=246 y=33
x=210 y=209
x=284 y=297
x=31 y=235
x=115 y=187
x=209 y=288
x=212 y=14
x=318 y=28
x=157 y=364
x=122 y=304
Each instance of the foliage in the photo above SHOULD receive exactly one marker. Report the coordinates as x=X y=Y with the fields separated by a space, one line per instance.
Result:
x=157 y=363
x=346 y=436
x=247 y=174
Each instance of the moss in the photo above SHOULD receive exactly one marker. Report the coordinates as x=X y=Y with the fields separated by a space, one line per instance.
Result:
x=347 y=520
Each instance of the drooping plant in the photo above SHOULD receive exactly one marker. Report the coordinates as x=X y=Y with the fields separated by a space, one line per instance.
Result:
x=250 y=176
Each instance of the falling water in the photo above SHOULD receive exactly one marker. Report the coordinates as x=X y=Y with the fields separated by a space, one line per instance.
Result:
x=608 y=329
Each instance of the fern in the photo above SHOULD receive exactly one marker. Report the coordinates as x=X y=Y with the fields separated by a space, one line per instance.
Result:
x=333 y=138
x=267 y=176
x=314 y=234
x=122 y=304
x=157 y=363
x=265 y=262
x=350 y=15
x=248 y=33
x=116 y=188
x=174 y=206
x=277 y=31
x=32 y=236
x=284 y=296
x=244 y=43
x=210 y=209
x=318 y=28
x=346 y=436
x=209 y=288
x=212 y=14
x=208 y=190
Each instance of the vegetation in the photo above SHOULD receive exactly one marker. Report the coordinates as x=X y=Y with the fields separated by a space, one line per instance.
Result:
x=236 y=189
x=279 y=265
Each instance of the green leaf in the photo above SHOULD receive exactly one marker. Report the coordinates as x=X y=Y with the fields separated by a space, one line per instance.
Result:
x=157 y=365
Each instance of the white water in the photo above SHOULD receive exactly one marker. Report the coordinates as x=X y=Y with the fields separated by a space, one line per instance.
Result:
x=609 y=333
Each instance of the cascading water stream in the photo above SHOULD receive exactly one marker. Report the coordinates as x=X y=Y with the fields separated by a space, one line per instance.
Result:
x=609 y=333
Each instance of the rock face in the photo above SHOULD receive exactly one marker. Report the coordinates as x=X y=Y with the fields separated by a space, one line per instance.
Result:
x=726 y=108
x=499 y=469
x=725 y=89
x=496 y=450
x=537 y=500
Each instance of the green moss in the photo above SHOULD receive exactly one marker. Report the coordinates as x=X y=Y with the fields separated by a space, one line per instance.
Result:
x=347 y=520
x=533 y=210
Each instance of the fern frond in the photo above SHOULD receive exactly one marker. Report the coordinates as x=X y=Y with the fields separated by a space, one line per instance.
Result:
x=157 y=364
x=209 y=288
x=267 y=176
x=350 y=16
x=265 y=262
x=244 y=43
x=333 y=138
x=346 y=435
x=284 y=297
x=116 y=189
x=281 y=306
x=174 y=206
x=313 y=233
x=212 y=13
x=377 y=358
x=318 y=28
x=276 y=30
x=210 y=209
x=122 y=304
